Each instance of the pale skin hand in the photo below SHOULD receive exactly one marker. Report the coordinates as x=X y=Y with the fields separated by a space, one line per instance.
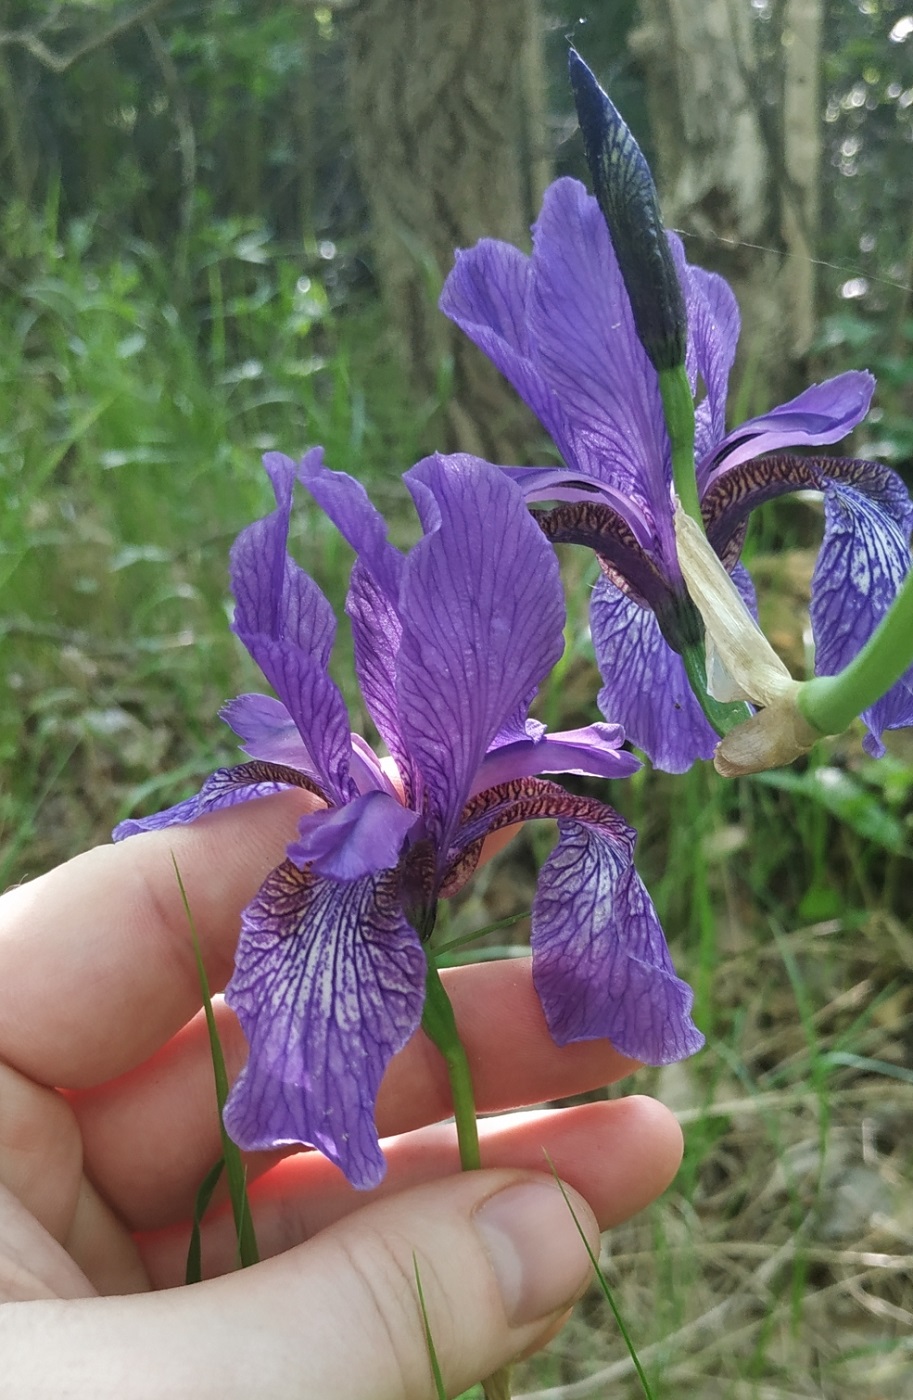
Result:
x=108 y=1125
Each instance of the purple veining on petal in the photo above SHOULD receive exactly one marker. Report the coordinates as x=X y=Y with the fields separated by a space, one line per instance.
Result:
x=863 y=561
x=329 y=984
x=226 y=787
x=348 y=505
x=645 y=687
x=595 y=751
x=376 y=634
x=288 y=627
x=582 y=328
x=483 y=619
x=361 y=838
x=821 y=414
x=487 y=296
x=369 y=772
x=268 y=731
x=735 y=494
x=600 y=962
x=713 y=333
x=373 y=599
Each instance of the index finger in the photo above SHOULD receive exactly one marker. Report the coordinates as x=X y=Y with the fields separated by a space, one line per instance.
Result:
x=97 y=965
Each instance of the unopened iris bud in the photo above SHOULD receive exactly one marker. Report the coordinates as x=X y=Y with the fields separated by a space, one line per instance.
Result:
x=626 y=194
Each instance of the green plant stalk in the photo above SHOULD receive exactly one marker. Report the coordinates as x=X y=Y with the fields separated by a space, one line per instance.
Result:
x=721 y=715
x=831 y=703
x=678 y=411
x=248 y=1252
x=439 y=1025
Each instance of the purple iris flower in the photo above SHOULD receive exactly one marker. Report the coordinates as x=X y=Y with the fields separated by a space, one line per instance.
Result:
x=451 y=642
x=559 y=326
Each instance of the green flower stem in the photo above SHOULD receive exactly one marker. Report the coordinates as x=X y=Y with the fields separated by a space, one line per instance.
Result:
x=439 y=1025
x=678 y=410
x=831 y=703
x=721 y=715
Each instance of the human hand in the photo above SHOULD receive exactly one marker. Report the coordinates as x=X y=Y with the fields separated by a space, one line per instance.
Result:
x=108 y=1125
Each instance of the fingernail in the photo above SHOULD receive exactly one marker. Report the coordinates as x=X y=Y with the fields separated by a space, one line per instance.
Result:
x=536 y=1252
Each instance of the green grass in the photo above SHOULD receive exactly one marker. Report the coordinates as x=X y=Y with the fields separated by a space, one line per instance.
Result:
x=778 y=1264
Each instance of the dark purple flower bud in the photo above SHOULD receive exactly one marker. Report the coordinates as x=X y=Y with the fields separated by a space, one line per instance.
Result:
x=627 y=197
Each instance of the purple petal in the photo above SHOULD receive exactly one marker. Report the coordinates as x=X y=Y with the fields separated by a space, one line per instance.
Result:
x=288 y=627
x=600 y=962
x=823 y=413
x=713 y=333
x=518 y=727
x=863 y=561
x=595 y=751
x=268 y=731
x=376 y=634
x=483 y=618
x=486 y=295
x=226 y=787
x=361 y=838
x=350 y=508
x=316 y=705
x=645 y=687
x=556 y=484
x=273 y=596
x=735 y=494
x=329 y=984
x=373 y=600
x=559 y=327
x=586 y=347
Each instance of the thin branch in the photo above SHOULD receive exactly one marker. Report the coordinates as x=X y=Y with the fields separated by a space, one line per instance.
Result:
x=31 y=41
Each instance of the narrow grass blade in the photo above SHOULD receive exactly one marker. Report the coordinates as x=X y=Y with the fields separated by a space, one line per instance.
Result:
x=194 y=1270
x=606 y=1291
x=464 y=938
x=234 y=1166
x=429 y=1339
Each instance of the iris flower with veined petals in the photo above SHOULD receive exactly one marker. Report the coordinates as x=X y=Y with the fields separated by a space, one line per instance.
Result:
x=451 y=642
x=558 y=325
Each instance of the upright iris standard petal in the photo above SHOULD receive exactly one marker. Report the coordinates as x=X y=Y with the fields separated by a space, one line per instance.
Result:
x=288 y=627
x=488 y=296
x=328 y=985
x=373 y=600
x=863 y=561
x=600 y=963
x=483 y=620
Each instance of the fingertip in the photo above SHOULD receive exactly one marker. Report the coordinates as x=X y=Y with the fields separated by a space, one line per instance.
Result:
x=100 y=950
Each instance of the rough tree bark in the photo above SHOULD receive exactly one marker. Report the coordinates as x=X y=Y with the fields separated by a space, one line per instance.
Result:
x=738 y=137
x=447 y=104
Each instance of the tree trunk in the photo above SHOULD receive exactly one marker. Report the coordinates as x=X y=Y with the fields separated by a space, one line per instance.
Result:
x=447 y=103
x=734 y=109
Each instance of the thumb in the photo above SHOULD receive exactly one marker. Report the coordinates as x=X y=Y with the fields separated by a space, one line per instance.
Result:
x=497 y=1252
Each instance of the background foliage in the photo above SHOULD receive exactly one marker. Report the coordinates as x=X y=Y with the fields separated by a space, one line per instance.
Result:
x=186 y=280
